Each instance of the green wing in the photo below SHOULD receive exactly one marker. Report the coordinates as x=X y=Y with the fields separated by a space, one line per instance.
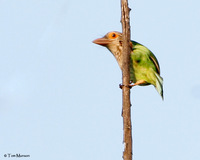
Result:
x=141 y=51
x=155 y=61
x=145 y=67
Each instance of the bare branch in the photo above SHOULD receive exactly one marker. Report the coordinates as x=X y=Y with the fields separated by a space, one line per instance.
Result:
x=126 y=112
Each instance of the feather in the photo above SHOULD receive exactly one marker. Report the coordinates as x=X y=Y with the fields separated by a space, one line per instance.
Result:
x=159 y=85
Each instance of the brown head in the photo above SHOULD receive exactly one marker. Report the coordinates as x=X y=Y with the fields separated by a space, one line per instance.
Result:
x=112 y=41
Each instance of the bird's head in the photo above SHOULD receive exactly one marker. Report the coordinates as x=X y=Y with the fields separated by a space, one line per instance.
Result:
x=112 y=41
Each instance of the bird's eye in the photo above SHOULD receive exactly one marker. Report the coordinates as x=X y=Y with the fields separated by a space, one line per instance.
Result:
x=112 y=35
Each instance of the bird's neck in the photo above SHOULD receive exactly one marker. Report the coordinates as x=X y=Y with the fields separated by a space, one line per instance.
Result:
x=117 y=52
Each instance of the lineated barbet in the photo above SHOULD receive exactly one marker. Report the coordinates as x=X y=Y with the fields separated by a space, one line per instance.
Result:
x=144 y=67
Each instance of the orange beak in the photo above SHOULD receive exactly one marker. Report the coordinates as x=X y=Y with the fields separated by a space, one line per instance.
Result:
x=102 y=41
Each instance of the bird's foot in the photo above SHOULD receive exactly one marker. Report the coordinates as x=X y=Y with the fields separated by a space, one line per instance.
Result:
x=128 y=86
x=140 y=82
x=131 y=84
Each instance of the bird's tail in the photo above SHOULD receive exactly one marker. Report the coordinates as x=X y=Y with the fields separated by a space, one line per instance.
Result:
x=159 y=85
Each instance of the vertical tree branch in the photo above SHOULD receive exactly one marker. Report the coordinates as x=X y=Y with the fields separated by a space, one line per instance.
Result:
x=126 y=112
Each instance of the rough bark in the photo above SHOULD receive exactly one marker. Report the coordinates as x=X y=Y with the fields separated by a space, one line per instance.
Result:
x=126 y=111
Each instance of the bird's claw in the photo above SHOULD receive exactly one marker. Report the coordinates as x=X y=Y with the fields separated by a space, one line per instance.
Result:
x=121 y=85
x=128 y=86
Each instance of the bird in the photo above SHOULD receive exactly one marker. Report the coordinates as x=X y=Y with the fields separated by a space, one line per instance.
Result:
x=144 y=67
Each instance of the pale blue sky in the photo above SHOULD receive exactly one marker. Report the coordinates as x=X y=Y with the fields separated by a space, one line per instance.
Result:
x=59 y=94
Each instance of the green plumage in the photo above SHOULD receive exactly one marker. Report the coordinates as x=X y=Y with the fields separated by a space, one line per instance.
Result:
x=144 y=67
